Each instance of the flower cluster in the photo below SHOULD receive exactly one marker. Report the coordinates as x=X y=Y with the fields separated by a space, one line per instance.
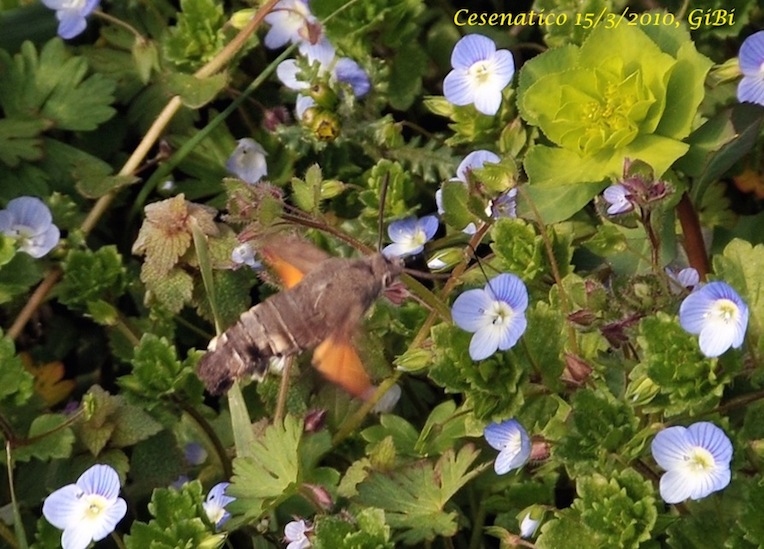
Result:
x=495 y=314
x=696 y=459
x=29 y=221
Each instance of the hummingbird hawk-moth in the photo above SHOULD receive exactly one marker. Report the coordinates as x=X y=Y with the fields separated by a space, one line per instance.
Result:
x=320 y=308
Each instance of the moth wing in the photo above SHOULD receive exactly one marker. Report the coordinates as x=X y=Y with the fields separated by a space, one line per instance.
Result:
x=291 y=258
x=338 y=361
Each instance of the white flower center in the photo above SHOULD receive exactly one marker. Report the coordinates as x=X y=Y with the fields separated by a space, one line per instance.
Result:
x=93 y=506
x=500 y=312
x=699 y=460
x=73 y=5
x=723 y=310
x=481 y=72
x=214 y=512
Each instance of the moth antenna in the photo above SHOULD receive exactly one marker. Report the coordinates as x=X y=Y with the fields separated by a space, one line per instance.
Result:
x=480 y=265
x=381 y=218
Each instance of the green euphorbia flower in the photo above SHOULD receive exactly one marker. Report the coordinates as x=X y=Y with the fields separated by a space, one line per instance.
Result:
x=624 y=93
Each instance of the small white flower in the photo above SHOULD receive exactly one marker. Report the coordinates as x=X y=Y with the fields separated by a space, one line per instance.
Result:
x=215 y=504
x=686 y=279
x=512 y=442
x=291 y=21
x=244 y=254
x=87 y=510
x=696 y=459
x=295 y=533
x=480 y=74
x=619 y=199
x=410 y=235
x=528 y=526
x=247 y=162
x=718 y=314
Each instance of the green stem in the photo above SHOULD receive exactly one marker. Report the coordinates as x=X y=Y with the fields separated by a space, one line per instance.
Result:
x=114 y=21
x=18 y=525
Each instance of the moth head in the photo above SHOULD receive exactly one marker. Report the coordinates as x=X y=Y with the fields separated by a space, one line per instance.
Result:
x=386 y=269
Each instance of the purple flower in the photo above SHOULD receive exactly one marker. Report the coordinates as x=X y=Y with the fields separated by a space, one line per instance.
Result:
x=215 y=504
x=72 y=15
x=718 y=314
x=194 y=453
x=512 y=442
x=87 y=510
x=619 y=198
x=751 y=60
x=247 y=161
x=505 y=205
x=495 y=314
x=480 y=74
x=409 y=235
x=296 y=533
x=28 y=220
x=696 y=460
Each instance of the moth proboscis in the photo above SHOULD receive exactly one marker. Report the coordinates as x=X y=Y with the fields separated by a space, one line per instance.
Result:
x=320 y=308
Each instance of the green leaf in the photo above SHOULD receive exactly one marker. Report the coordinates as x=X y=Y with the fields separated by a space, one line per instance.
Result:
x=99 y=185
x=92 y=276
x=368 y=529
x=19 y=140
x=177 y=521
x=15 y=382
x=555 y=203
x=198 y=34
x=18 y=275
x=414 y=498
x=619 y=511
x=53 y=86
x=51 y=440
x=456 y=211
x=195 y=92
x=270 y=471
x=406 y=71
x=518 y=246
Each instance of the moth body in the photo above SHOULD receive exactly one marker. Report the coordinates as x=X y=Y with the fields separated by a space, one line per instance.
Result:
x=323 y=309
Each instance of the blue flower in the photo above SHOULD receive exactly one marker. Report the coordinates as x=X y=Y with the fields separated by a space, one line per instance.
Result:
x=528 y=526
x=696 y=460
x=480 y=74
x=292 y=21
x=686 y=279
x=496 y=315
x=247 y=162
x=28 y=220
x=409 y=235
x=505 y=205
x=87 y=510
x=194 y=453
x=72 y=15
x=512 y=442
x=718 y=314
x=619 y=198
x=340 y=69
x=751 y=60
x=244 y=254
x=215 y=504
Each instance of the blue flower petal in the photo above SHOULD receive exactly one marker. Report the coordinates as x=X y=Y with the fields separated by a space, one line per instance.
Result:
x=429 y=225
x=468 y=310
x=485 y=342
x=471 y=49
x=513 y=443
x=348 y=71
x=287 y=72
x=712 y=438
x=247 y=161
x=512 y=332
x=110 y=517
x=751 y=89
x=510 y=289
x=76 y=538
x=707 y=312
x=60 y=506
x=100 y=479
x=504 y=66
x=458 y=88
x=751 y=54
x=488 y=101
x=400 y=249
